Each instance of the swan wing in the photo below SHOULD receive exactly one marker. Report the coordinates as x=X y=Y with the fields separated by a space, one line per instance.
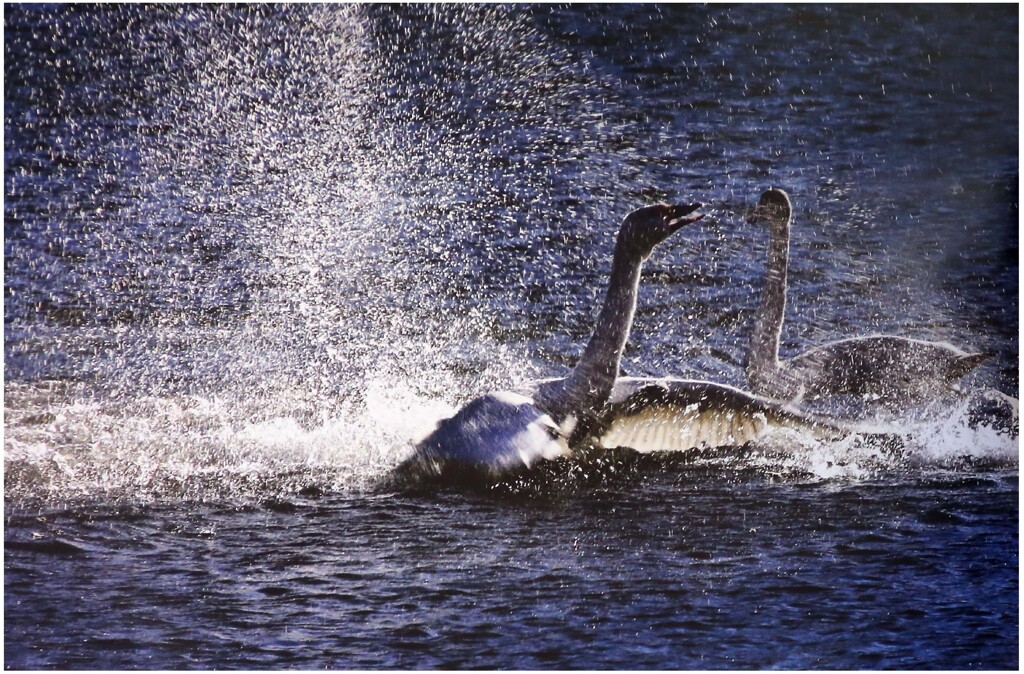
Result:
x=667 y=414
x=494 y=436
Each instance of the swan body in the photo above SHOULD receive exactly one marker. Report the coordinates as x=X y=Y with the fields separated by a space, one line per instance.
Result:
x=885 y=368
x=499 y=435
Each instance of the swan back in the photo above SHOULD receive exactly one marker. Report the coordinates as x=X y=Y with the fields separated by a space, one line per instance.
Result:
x=889 y=367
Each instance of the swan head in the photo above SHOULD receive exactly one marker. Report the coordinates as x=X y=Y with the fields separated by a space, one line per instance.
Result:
x=494 y=436
x=646 y=227
x=773 y=206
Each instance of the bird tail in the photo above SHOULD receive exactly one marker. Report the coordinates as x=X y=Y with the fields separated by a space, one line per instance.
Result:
x=964 y=364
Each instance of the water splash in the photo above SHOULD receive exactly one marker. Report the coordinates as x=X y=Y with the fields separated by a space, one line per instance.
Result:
x=198 y=448
x=61 y=448
x=262 y=248
x=276 y=243
x=976 y=431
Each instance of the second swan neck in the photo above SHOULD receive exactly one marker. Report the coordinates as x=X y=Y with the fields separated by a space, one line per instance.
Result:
x=763 y=358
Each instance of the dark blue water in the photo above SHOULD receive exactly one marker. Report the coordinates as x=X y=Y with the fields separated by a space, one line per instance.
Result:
x=252 y=252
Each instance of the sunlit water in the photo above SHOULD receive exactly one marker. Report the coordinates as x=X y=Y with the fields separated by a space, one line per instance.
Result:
x=252 y=253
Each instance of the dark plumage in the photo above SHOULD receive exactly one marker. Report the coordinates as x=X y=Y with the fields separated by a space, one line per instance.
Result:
x=886 y=368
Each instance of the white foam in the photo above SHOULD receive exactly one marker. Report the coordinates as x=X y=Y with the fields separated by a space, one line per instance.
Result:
x=192 y=447
x=196 y=447
x=937 y=438
x=954 y=437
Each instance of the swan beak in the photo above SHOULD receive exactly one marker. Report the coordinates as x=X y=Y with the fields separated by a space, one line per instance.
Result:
x=681 y=215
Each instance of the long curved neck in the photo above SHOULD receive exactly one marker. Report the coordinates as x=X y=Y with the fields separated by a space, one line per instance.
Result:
x=763 y=359
x=590 y=383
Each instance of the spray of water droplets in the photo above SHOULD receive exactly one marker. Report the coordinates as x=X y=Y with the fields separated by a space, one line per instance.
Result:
x=296 y=197
x=258 y=248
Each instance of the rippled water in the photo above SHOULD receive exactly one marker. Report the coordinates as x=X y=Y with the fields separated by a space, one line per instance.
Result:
x=252 y=252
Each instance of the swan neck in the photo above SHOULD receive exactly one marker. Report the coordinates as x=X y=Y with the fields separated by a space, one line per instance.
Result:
x=763 y=360
x=591 y=382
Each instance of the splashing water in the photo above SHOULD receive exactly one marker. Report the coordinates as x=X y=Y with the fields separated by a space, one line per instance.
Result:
x=261 y=249
x=253 y=252
x=278 y=243
x=195 y=448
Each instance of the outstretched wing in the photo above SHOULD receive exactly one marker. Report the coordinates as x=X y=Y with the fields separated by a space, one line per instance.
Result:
x=651 y=415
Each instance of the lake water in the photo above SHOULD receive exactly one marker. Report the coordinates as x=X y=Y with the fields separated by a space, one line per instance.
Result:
x=251 y=253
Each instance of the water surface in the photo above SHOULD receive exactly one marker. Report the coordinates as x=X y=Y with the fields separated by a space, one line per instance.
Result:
x=252 y=252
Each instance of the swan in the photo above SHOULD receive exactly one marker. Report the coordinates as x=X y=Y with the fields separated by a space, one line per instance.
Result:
x=503 y=433
x=884 y=368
